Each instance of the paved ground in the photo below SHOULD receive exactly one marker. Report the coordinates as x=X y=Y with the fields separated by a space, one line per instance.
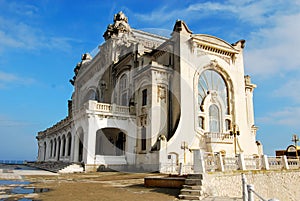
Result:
x=222 y=199
x=104 y=186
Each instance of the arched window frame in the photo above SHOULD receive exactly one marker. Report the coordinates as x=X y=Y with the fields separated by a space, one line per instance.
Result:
x=212 y=97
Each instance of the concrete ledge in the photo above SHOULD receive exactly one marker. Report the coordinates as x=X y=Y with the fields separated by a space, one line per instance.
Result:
x=164 y=182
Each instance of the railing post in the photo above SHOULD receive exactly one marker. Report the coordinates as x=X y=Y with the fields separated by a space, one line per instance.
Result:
x=250 y=189
x=241 y=159
x=220 y=162
x=285 y=162
x=199 y=163
x=245 y=192
x=265 y=162
x=180 y=169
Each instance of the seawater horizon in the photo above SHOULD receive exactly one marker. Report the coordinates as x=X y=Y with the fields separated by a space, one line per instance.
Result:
x=17 y=162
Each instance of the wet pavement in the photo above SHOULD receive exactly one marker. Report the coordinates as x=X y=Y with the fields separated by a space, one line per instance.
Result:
x=14 y=187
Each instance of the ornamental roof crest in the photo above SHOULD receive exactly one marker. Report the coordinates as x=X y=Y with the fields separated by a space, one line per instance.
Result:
x=120 y=25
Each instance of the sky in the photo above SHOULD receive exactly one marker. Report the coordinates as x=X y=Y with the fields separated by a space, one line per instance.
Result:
x=41 y=41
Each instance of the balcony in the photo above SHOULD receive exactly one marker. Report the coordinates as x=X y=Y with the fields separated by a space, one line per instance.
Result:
x=108 y=109
x=223 y=138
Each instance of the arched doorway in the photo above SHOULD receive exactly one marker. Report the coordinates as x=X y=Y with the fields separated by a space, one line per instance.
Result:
x=63 y=145
x=69 y=140
x=45 y=150
x=58 y=152
x=78 y=145
x=110 y=142
x=80 y=151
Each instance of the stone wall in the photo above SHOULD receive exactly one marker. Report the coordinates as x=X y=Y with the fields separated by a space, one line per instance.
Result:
x=283 y=185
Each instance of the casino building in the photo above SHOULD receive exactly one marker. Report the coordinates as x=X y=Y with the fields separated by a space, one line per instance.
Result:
x=145 y=101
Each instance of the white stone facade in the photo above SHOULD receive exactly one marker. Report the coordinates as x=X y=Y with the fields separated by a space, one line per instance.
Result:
x=145 y=101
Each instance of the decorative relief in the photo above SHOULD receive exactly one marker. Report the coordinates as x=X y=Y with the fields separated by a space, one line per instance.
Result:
x=161 y=93
x=203 y=49
x=120 y=25
x=143 y=120
x=214 y=96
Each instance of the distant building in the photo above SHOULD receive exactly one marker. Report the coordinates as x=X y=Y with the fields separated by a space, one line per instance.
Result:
x=291 y=151
x=145 y=100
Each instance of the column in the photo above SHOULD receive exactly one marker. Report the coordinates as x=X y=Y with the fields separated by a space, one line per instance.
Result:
x=76 y=147
x=90 y=141
x=57 y=150
x=67 y=146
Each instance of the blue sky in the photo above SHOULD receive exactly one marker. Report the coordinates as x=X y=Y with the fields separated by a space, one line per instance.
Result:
x=41 y=41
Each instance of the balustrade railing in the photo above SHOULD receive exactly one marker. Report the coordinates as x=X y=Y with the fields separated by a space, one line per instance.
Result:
x=107 y=108
x=230 y=163
x=210 y=162
x=253 y=162
x=213 y=162
x=293 y=163
x=218 y=136
x=275 y=163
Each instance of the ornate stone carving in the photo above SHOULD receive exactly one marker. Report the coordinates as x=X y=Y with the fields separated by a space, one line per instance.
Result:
x=120 y=25
x=161 y=93
x=214 y=96
x=85 y=59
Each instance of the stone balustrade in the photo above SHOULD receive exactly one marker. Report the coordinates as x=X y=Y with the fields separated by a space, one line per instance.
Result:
x=218 y=163
x=218 y=137
x=106 y=108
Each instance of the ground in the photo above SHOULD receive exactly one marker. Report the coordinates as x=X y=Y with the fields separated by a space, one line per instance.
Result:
x=100 y=186
x=105 y=186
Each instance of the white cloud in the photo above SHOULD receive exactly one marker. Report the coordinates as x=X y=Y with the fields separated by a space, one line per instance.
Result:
x=276 y=49
x=288 y=116
x=21 y=35
x=8 y=79
x=254 y=12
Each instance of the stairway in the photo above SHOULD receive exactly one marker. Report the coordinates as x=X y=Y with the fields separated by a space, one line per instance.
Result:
x=57 y=166
x=193 y=189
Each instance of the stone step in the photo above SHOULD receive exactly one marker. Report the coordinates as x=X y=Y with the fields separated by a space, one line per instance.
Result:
x=191 y=192
x=195 y=176
x=195 y=187
x=195 y=182
x=189 y=197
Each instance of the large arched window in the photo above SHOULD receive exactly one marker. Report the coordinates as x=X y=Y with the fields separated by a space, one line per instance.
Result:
x=213 y=102
x=211 y=81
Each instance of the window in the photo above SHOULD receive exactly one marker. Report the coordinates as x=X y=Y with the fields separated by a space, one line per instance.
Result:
x=144 y=99
x=143 y=140
x=209 y=81
x=227 y=124
x=123 y=90
x=201 y=122
x=91 y=95
x=214 y=119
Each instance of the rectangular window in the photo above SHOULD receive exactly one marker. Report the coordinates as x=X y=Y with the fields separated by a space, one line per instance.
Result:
x=143 y=140
x=144 y=94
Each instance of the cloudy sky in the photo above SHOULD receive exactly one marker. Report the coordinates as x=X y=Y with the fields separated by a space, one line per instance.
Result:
x=41 y=41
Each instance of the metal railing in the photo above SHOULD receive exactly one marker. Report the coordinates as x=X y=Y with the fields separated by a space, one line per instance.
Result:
x=249 y=192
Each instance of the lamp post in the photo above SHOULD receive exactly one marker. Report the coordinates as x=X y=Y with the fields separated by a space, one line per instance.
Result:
x=235 y=132
x=295 y=139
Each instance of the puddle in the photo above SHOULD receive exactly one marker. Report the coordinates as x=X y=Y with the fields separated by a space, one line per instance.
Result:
x=14 y=188
x=27 y=190
x=13 y=182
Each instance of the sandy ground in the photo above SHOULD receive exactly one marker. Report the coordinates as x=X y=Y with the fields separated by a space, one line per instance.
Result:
x=99 y=186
